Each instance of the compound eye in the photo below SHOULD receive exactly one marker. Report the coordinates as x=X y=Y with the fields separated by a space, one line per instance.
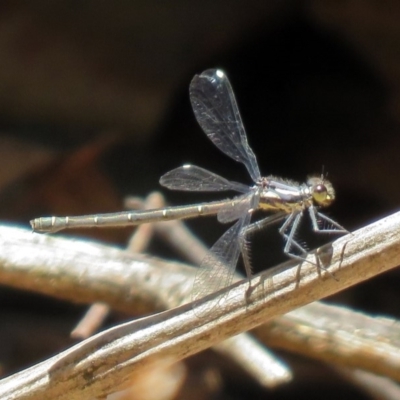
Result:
x=320 y=193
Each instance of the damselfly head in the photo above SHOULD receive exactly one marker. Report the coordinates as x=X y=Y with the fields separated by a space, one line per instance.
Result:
x=321 y=190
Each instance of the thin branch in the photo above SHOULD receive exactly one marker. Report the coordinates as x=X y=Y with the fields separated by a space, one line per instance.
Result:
x=337 y=335
x=86 y=272
x=96 y=366
x=377 y=387
x=91 y=321
x=257 y=360
x=143 y=234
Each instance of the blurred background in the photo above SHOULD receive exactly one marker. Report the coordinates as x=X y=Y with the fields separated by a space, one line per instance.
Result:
x=94 y=106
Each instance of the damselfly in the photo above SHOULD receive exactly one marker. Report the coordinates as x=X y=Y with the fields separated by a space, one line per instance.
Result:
x=216 y=111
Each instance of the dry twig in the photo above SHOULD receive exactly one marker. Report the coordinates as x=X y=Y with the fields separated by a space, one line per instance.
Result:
x=96 y=366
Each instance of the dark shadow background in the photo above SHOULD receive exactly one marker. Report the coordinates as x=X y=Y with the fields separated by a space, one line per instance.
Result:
x=94 y=106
